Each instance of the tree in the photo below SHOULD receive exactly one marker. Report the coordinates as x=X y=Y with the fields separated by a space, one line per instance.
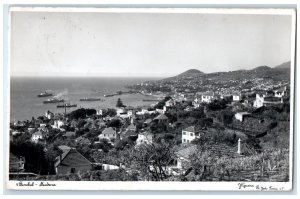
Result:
x=151 y=160
x=116 y=123
x=119 y=103
x=110 y=112
x=35 y=160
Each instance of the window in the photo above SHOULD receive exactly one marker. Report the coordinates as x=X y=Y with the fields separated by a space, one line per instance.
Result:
x=184 y=140
x=188 y=141
x=183 y=133
x=192 y=134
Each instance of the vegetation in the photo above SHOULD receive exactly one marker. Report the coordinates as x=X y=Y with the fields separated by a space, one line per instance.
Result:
x=270 y=165
x=82 y=113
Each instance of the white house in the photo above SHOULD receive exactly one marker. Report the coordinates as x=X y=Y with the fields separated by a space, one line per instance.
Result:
x=145 y=111
x=208 y=97
x=49 y=115
x=189 y=134
x=196 y=102
x=259 y=100
x=42 y=125
x=144 y=138
x=281 y=92
x=236 y=97
x=17 y=132
x=121 y=111
x=37 y=136
x=241 y=116
x=58 y=124
x=263 y=100
x=108 y=134
x=130 y=113
x=100 y=112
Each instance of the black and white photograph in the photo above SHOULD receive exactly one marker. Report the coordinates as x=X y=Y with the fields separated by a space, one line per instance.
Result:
x=150 y=99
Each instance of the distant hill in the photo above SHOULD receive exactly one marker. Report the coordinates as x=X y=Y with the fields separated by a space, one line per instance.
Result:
x=189 y=74
x=277 y=73
x=286 y=65
x=262 y=68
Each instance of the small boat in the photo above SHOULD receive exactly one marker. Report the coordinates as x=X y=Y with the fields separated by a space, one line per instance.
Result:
x=45 y=94
x=67 y=105
x=53 y=100
x=90 y=99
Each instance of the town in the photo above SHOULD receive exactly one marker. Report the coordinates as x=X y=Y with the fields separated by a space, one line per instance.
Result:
x=232 y=126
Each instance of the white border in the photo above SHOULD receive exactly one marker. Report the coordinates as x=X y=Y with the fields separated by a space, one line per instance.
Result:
x=141 y=185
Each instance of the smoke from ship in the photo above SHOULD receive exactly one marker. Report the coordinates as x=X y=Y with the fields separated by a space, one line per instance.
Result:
x=61 y=94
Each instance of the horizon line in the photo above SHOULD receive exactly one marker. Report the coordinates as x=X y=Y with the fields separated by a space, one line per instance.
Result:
x=92 y=76
x=129 y=76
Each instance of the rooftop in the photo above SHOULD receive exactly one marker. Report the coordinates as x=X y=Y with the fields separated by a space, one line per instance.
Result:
x=161 y=117
x=190 y=129
x=109 y=130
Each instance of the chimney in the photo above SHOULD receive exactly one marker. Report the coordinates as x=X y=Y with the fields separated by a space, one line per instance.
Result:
x=239 y=146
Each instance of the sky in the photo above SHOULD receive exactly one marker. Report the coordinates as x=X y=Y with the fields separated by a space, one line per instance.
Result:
x=144 y=44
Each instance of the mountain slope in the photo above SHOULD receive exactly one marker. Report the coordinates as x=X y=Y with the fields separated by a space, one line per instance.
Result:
x=278 y=73
x=286 y=65
x=189 y=74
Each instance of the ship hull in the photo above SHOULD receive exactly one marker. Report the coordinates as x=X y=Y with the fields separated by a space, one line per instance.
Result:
x=90 y=100
x=45 y=95
x=53 y=102
x=68 y=106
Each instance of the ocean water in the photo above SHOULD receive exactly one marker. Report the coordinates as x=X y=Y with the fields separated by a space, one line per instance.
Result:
x=24 y=103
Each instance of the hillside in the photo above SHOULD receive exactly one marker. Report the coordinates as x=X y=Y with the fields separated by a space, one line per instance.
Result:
x=286 y=65
x=262 y=68
x=189 y=74
x=278 y=73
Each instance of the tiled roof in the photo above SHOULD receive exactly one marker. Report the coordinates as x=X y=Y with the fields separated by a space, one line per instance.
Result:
x=148 y=121
x=131 y=127
x=243 y=113
x=187 y=152
x=128 y=133
x=161 y=117
x=83 y=140
x=64 y=148
x=72 y=158
x=190 y=129
x=38 y=133
x=108 y=130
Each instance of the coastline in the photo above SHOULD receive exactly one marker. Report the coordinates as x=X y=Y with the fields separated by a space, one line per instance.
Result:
x=24 y=103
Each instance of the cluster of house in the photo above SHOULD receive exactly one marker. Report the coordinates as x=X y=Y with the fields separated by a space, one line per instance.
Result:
x=39 y=129
x=263 y=98
x=271 y=98
x=71 y=161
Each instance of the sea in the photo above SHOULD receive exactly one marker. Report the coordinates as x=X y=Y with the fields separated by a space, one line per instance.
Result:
x=24 y=103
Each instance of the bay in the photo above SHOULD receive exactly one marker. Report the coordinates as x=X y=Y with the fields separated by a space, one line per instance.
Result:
x=24 y=103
